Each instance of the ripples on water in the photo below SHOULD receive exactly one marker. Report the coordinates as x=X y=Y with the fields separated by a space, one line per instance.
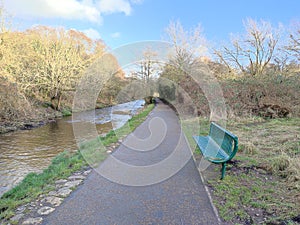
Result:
x=28 y=151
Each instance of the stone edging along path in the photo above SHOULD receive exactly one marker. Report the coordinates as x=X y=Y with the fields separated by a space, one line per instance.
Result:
x=32 y=213
x=43 y=205
x=37 y=211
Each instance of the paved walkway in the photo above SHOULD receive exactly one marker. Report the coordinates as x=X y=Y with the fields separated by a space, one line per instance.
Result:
x=150 y=179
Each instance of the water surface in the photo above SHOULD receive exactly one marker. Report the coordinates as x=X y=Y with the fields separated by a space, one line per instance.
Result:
x=25 y=151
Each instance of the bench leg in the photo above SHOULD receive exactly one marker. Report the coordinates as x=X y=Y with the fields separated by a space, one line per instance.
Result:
x=223 y=170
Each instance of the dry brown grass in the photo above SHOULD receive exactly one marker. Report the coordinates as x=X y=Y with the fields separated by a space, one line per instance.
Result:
x=262 y=183
x=274 y=145
x=270 y=144
x=287 y=167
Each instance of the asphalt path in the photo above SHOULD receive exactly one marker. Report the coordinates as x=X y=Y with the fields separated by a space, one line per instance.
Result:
x=150 y=179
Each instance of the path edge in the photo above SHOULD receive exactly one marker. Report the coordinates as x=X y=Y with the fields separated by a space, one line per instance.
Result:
x=205 y=187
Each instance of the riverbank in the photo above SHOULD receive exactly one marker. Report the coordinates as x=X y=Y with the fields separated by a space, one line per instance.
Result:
x=39 y=117
x=63 y=166
x=262 y=182
x=149 y=179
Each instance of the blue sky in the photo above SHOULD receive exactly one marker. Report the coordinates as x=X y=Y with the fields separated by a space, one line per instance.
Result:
x=120 y=22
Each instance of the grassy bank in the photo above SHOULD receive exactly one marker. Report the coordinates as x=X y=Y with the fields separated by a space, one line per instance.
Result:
x=262 y=183
x=63 y=166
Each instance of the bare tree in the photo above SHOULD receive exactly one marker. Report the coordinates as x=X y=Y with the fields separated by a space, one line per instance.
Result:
x=5 y=19
x=46 y=63
x=293 y=47
x=188 y=44
x=147 y=66
x=254 y=50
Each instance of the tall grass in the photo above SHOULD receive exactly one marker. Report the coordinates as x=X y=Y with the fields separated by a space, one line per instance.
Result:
x=262 y=185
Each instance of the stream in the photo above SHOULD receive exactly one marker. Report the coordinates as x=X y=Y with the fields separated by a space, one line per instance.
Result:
x=25 y=151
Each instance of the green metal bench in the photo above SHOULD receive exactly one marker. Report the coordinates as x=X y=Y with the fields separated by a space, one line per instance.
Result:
x=219 y=147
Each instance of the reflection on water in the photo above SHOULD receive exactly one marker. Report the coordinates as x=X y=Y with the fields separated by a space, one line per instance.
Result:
x=26 y=151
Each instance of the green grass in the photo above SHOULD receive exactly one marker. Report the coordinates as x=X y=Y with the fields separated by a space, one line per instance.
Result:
x=263 y=184
x=66 y=112
x=63 y=165
x=94 y=151
x=35 y=184
x=242 y=197
x=200 y=126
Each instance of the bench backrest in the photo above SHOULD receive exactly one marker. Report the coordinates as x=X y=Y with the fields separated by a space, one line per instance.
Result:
x=225 y=139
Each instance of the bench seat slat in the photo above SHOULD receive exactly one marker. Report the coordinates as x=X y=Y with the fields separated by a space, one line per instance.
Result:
x=210 y=149
x=220 y=146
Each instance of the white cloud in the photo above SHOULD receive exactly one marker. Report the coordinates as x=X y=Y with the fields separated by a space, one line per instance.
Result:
x=115 y=35
x=109 y=6
x=136 y=1
x=66 y=9
x=92 y=33
x=90 y=10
